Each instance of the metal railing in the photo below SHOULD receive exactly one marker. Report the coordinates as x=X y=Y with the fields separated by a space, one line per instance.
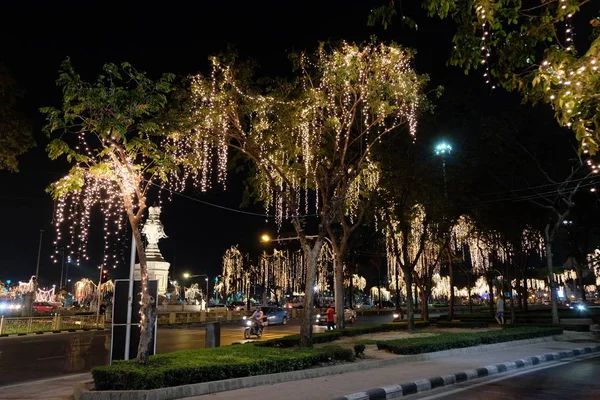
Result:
x=9 y=325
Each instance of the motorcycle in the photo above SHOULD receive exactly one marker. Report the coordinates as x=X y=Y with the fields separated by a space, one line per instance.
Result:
x=253 y=329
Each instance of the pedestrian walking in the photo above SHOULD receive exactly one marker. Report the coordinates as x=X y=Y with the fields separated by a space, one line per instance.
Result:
x=330 y=318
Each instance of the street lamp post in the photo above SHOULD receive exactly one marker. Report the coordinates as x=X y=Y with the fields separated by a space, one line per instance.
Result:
x=443 y=149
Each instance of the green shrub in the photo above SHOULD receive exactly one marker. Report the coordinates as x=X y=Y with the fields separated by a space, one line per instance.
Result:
x=359 y=349
x=462 y=324
x=205 y=365
x=452 y=341
x=330 y=336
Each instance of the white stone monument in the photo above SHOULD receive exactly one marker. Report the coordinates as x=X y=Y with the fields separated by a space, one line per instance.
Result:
x=158 y=268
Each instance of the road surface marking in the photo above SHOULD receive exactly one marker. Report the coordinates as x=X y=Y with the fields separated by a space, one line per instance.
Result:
x=502 y=378
x=46 y=380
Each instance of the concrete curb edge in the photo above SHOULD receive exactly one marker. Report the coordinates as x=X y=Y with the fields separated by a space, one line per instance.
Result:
x=5 y=335
x=82 y=393
x=422 y=385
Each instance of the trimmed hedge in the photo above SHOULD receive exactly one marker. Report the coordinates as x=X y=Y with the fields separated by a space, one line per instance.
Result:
x=462 y=324
x=205 y=365
x=458 y=340
x=330 y=336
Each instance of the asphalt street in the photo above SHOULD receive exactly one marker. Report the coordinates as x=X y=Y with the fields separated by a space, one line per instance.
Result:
x=568 y=379
x=33 y=357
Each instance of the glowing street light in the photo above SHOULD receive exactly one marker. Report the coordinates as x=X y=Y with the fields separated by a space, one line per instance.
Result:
x=442 y=149
x=265 y=238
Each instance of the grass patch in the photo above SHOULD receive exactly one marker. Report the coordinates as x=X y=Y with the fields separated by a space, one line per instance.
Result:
x=446 y=341
x=205 y=365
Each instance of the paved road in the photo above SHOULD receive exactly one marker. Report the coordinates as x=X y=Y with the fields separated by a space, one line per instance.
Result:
x=32 y=357
x=577 y=379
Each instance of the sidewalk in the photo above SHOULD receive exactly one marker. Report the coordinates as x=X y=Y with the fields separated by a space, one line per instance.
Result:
x=325 y=388
x=330 y=387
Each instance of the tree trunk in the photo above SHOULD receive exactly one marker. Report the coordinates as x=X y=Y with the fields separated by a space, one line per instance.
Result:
x=525 y=292
x=470 y=296
x=410 y=308
x=397 y=277
x=450 y=272
x=553 y=295
x=580 y=280
x=519 y=290
x=338 y=282
x=424 y=306
x=491 y=293
x=311 y=256
x=147 y=309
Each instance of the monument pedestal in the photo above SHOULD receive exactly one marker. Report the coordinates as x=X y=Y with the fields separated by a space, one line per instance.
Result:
x=158 y=270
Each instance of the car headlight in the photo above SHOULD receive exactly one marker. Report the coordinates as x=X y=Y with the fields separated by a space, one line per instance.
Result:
x=318 y=316
x=580 y=307
x=244 y=317
x=249 y=323
x=396 y=315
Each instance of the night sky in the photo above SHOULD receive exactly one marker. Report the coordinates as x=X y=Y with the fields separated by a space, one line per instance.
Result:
x=176 y=37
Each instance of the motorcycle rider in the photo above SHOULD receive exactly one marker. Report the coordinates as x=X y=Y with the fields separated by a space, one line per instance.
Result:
x=256 y=319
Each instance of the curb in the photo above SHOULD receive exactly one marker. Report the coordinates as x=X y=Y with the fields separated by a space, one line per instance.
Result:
x=197 y=389
x=422 y=385
x=45 y=332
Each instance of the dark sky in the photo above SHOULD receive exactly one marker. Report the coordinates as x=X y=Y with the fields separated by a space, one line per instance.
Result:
x=175 y=37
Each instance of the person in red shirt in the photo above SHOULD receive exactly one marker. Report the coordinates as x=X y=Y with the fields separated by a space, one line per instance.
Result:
x=330 y=318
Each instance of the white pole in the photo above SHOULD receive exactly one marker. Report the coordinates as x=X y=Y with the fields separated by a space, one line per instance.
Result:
x=98 y=295
x=130 y=298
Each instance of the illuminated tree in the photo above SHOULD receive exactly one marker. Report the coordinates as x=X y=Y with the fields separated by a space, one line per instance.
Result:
x=315 y=135
x=108 y=131
x=406 y=232
x=528 y=47
x=15 y=131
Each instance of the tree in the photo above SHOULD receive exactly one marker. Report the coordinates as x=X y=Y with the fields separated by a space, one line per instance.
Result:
x=314 y=134
x=15 y=131
x=110 y=132
x=527 y=48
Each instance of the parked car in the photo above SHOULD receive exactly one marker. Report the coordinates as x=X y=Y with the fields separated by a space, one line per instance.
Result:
x=349 y=317
x=275 y=315
x=364 y=306
x=43 y=307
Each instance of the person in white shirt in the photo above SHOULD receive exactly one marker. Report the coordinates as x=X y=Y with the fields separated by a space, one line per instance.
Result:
x=500 y=310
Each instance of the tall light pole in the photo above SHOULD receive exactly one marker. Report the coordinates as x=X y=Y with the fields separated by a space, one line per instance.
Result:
x=444 y=149
x=37 y=272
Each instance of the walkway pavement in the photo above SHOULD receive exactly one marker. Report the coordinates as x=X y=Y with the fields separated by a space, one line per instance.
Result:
x=331 y=387
x=325 y=388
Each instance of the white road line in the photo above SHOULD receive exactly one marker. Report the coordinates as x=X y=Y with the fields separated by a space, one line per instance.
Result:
x=45 y=380
x=502 y=378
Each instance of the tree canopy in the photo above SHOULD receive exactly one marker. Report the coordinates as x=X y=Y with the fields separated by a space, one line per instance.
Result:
x=530 y=47
x=15 y=131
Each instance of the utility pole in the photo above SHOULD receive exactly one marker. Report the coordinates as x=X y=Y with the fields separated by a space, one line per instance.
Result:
x=37 y=272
